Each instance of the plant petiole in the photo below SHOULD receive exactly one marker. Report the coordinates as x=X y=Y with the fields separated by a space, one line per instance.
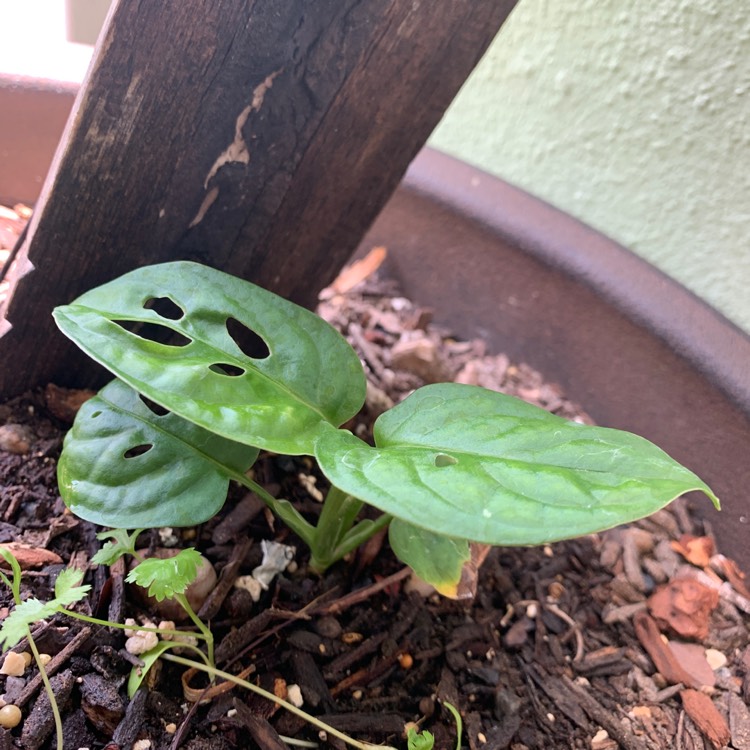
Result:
x=213 y=672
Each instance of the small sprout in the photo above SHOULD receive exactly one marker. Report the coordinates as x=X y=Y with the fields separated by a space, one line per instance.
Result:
x=14 y=664
x=10 y=716
x=419 y=740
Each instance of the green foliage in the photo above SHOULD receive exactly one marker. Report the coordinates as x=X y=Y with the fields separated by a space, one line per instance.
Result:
x=119 y=543
x=310 y=381
x=451 y=464
x=474 y=464
x=419 y=740
x=123 y=465
x=67 y=591
x=168 y=577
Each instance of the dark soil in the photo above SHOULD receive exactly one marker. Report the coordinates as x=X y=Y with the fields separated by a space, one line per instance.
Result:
x=558 y=649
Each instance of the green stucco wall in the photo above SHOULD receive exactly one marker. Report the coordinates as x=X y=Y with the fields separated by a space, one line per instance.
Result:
x=635 y=118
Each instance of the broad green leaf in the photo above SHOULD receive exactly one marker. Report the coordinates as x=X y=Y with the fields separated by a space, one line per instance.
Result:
x=68 y=589
x=436 y=559
x=309 y=380
x=474 y=464
x=179 y=481
x=168 y=576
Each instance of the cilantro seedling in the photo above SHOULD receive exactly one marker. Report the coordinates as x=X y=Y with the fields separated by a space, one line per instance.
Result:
x=452 y=464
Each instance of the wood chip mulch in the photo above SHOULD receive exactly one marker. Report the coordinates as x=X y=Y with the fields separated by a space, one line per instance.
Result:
x=636 y=638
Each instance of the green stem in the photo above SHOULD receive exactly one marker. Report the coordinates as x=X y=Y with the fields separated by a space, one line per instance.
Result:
x=121 y=626
x=274 y=699
x=361 y=533
x=48 y=689
x=207 y=634
x=336 y=519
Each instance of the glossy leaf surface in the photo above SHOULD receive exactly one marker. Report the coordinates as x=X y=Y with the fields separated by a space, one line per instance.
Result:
x=474 y=464
x=108 y=474
x=436 y=559
x=298 y=378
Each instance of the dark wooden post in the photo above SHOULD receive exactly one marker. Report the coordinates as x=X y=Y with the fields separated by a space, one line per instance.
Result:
x=260 y=138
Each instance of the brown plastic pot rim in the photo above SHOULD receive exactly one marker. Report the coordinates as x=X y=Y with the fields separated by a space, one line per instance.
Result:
x=694 y=330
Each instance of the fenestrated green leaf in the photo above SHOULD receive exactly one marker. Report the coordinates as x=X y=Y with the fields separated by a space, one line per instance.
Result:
x=435 y=558
x=310 y=380
x=474 y=464
x=104 y=476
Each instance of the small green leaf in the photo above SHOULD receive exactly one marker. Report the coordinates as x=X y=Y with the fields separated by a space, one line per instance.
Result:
x=166 y=577
x=458 y=720
x=138 y=674
x=67 y=588
x=518 y=475
x=15 y=582
x=16 y=624
x=123 y=465
x=419 y=740
x=120 y=543
x=308 y=380
x=436 y=559
x=67 y=592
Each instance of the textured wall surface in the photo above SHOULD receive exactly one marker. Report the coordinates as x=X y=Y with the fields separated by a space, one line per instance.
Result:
x=633 y=117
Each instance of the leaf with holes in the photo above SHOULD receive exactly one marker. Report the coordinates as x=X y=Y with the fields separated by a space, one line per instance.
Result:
x=222 y=353
x=123 y=465
x=474 y=464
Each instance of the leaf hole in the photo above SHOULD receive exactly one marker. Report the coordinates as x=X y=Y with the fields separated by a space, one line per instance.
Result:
x=137 y=450
x=160 y=411
x=443 y=459
x=250 y=343
x=164 y=307
x=155 y=332
x=226 y=369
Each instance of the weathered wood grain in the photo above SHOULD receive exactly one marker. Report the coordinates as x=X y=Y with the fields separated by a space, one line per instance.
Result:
x=261 y=138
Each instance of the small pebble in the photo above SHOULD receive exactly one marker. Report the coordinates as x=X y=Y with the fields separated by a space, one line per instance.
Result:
x=406 y=661
x=716 y=659
x=14 y=664
x=10 y=716
x=142 y=745
x=15 y=438
x=26 y=656
x=294 y=696
x=170 y=728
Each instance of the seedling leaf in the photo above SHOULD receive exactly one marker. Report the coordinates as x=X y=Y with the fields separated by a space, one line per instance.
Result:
x=310 y=380
x=436 y=559
x=166 y=577
x=67 y=588
x=474 y=464
x=119 y=543
x=138 y=674
x=16 y=624
x=419 y=740
x=179 y=481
